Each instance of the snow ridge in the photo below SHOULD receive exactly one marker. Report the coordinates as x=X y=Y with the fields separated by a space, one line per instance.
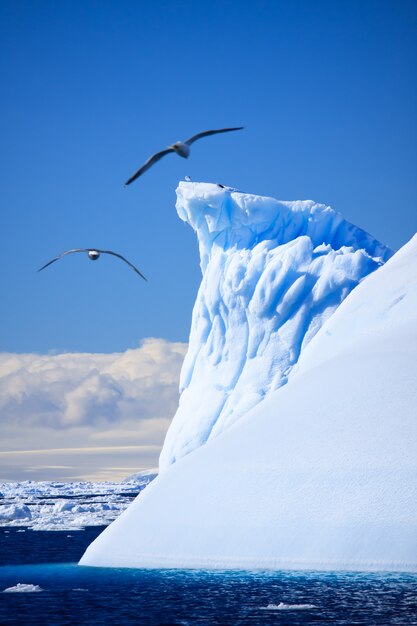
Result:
x=273 y=273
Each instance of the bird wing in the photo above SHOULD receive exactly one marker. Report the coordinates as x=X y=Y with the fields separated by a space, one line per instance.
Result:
x=153 y=159
x=125 y=260
x=207 y=133
x=61 y=255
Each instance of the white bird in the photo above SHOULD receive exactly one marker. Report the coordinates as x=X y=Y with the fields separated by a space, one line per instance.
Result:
x=182 y=148
x=93 y=254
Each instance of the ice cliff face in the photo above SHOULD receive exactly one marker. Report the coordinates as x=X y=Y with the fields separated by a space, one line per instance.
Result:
x=273 y=273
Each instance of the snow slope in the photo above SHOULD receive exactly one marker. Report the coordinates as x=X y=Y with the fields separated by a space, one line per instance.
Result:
x=320 y=475
x=273 y=272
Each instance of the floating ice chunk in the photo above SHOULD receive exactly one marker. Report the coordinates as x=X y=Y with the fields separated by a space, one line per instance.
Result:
x=15 y=512
x=282 y=606
x=63 y=505
x=23 y=588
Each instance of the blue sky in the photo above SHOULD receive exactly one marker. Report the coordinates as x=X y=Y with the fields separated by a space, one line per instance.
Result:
x=327 y=92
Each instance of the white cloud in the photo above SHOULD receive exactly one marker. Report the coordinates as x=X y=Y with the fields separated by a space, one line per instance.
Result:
x=82 y=400
x=66 y=390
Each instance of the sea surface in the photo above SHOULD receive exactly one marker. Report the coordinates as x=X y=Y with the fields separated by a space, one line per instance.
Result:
x=65 y=593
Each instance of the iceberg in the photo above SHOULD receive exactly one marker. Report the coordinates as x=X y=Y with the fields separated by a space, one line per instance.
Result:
x=304 y=361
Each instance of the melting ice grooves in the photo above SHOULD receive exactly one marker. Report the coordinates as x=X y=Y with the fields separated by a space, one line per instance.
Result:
x=273 y=273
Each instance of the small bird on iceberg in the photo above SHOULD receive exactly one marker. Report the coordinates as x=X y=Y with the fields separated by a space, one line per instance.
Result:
x=182 y=148
x=93 y=254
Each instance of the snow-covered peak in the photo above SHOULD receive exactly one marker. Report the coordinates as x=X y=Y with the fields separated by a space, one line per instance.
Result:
x=273 y=273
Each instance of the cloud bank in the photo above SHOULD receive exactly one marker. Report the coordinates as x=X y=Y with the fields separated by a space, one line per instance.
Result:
x=95 y=400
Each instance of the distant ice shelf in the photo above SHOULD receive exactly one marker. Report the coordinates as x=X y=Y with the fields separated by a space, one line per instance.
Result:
x=67 y=506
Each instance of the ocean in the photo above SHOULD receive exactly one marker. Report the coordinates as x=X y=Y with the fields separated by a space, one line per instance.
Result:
x=64 y=593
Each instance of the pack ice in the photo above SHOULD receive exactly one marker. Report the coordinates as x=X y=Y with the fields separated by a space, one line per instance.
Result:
x=301 y=381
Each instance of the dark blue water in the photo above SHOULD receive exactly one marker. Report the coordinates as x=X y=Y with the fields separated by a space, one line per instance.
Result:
x=19 y=546
x=81 y=595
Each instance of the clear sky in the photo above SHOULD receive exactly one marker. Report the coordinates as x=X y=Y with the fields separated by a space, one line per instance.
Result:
x=327 y=91
x=328 y=94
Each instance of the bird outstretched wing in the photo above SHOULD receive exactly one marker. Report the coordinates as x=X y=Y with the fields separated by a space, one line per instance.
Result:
x=123 y=259
x=207 y=133
x=153 y=159
x=61 y=255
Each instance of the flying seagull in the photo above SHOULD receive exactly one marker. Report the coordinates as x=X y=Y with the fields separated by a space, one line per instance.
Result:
x=182 y=148
x=93 y=254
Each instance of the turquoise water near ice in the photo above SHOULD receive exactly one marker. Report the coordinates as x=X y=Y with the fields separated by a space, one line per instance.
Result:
x=72 y=594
